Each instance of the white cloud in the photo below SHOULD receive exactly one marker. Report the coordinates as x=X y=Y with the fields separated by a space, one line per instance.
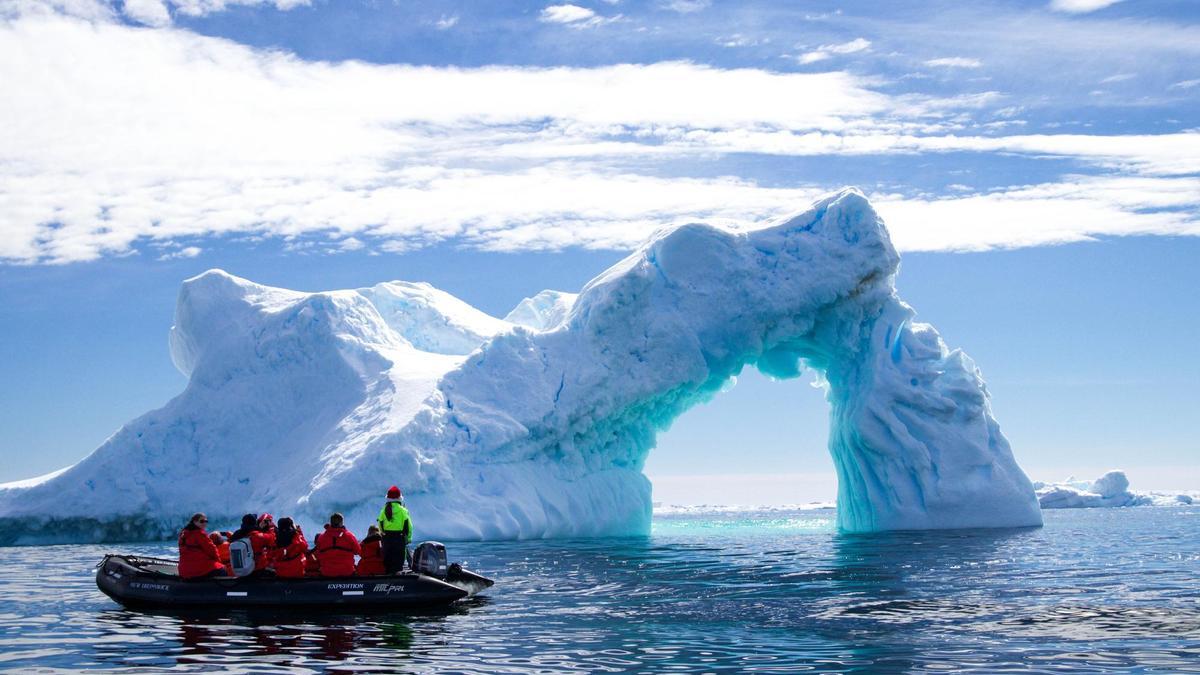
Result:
x=446 y=22
x=566 y=14
x=149 y=12
x=687 y=6
x=1080 y=6
x=1119 y=77
x=124 y=136
x=92 y=10
x=203 y=7
x=954 y=62
x=740 y=40
x=575 y=16
x=154 y=13
x=1152 y=155
x=828 y=51
x=351 y=244
x=186 y=252
x=1186 y=84
x=1038 y=215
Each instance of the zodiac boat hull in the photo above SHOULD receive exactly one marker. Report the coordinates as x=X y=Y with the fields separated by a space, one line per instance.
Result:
x=136 y=581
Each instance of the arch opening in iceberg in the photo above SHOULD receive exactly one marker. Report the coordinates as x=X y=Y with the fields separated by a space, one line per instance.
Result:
x=759 y=443
x=543 y=430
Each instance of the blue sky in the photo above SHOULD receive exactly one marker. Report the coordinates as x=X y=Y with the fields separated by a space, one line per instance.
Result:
x=1038 y=164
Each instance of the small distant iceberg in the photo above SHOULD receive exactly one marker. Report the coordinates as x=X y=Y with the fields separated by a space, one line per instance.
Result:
x=1109 y=490
x=666 y=510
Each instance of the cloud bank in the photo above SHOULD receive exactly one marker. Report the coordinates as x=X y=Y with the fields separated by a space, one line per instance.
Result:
x=1080 y=6
x=118 y=136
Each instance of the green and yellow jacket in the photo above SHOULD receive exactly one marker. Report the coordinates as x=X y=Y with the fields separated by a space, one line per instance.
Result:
x=398 y=522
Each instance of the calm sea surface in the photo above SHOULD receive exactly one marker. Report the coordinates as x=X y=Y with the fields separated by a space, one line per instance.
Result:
x=1104 y=590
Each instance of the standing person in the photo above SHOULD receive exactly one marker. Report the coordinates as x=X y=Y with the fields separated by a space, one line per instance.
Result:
x=290 y=550
x=197 y=554
x=336 y=548
x=396 y=527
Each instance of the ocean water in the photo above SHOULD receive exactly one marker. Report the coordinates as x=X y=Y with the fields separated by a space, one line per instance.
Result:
x=1103 y=590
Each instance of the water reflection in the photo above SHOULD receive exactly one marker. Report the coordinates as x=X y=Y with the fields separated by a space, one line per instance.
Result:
x=724 y=596
x=876 y=601
x=190 y=638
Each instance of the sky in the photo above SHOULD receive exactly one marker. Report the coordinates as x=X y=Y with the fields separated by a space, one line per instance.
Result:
x=1037 y=164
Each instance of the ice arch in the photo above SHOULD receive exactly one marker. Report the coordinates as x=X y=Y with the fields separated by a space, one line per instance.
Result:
x=304 y=403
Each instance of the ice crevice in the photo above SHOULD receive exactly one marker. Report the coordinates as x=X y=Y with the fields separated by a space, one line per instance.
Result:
x=539 y=425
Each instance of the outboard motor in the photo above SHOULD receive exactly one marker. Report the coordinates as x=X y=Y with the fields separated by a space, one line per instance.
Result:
x=430 y=558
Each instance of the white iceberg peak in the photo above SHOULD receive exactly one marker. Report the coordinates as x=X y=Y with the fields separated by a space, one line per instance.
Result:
x=544 y=311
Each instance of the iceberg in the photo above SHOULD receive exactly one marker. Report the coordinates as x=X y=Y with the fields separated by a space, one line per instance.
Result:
x=1109 y=490
x=544 y=311
x=539 y=425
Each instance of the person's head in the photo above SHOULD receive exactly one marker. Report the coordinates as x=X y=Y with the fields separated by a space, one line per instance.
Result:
x=249 y=521
x=393 y=492
x=337 y=520
x=217 y=538
x=286 y=532
x=372 y=530
x=198 y=520
x=266 y=521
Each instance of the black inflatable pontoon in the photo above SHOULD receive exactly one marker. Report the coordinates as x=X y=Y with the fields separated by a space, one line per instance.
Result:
x=136 y=581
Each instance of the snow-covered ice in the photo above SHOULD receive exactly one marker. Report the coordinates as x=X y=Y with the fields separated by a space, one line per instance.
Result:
x=539 y=426
x=544 y=311
x=1111 y=489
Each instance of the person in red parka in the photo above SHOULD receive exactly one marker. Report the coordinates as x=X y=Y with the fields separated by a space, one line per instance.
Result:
x=290 y=550
x=312 y=566
x=260 y=542
x=222 y=544
x=336 y=548
x=266 y=525
x=197 y=554
x=371 y=563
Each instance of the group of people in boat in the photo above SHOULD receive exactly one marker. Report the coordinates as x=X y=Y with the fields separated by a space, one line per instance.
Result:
x=266 y=548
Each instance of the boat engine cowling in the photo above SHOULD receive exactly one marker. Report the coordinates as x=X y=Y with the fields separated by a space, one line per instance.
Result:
x=430 y=558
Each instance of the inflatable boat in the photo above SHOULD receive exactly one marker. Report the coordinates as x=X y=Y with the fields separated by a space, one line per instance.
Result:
x=138 y=581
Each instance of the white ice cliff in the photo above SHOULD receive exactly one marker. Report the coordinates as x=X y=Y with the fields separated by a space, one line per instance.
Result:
x=304 y=403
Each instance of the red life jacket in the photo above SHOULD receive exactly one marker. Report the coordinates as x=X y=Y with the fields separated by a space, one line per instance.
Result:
x=371 y=563
x=197 y=554
x=336 y=548
x=263 y=544
x=289 y=560
x=312 y=566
